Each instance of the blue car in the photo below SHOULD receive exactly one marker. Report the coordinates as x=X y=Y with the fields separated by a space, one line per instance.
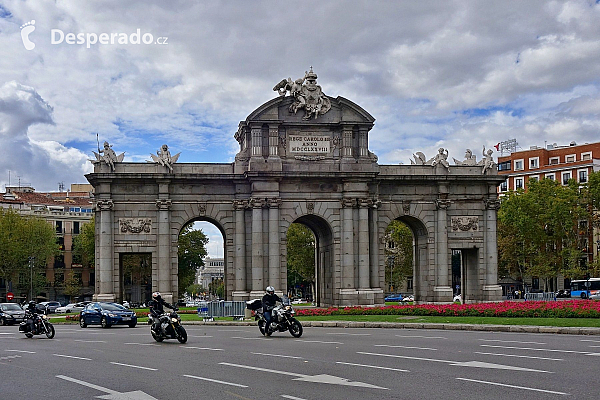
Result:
x=394 y=297
x=106 y=315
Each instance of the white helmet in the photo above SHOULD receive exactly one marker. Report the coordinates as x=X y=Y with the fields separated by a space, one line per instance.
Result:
x=156 y=295
x=270 y=289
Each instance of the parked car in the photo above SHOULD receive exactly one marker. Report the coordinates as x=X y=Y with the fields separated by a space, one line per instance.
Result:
x=408 y=298
x=107 y=315
x=595 y=296
x=11 y=313
x=50 y=306
x=394 y=297
x=69 y=308
x=563 y=293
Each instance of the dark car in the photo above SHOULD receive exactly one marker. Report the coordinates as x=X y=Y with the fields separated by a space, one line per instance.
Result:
x=106 y=315
x=563 y=293
x=394 y=297
x=50 y=306
x=11 y=313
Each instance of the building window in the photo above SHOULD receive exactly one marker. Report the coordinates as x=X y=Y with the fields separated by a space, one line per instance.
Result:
x=504 y=166
x=586 y=156
x=519 y=183
x=76 y=228
x=504 y=186
x=518 y=165
x=409 y=283
x=570 y=158
x=565 y=178
x=550 y=176
x=583 y=175
x=59 y=227
x=554 y=160
x=534 y=162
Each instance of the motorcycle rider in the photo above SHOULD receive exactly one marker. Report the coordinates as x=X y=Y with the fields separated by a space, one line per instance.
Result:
x=268 y=303
x=32 y=315
x=157 y=305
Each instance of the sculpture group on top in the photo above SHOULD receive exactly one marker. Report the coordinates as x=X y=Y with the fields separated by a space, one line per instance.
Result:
x=164 y=158
x=307 y=95
x=487 y=162
x=108 y=156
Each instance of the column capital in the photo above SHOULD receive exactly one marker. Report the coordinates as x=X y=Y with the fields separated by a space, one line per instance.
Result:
x=348 y=202
x=273 y=202
x=442 y=204
x=492 y=204
x=104 y=204
x=240 y=204
x=364 y=202
x=163 y=204
x=257 y=202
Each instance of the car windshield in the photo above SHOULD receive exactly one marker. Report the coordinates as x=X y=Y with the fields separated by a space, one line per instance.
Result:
x=113 y=307
x=11 y=307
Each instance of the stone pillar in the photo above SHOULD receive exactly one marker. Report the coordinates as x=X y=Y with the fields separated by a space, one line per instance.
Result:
x=491 y=290
x=256 y=132
x=347 y=142
x=363 y=244
x=164 y=284
x=257 y=245
x=442 y=289
x=374 y=248
x=240 y=249
x=363 y=144
x=348 y=244
x=105 y=269
x=273 y=141
x=274 y=245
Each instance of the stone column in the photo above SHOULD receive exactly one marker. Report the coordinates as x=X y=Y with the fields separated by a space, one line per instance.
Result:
x=491 y=290
x=363 y=244
x=257 y=245
x=348 y=244
x=347 y=142
x=273 y=141
x=240 y=248
x=164 y=250
x=363 y=144
x=105 y=270
x=443 y=290
x=256 y=132
x=374 y=248
x=274 y=245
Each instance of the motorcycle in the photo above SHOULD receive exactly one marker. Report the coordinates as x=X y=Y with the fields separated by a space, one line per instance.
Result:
x=169 y=328
x=41 y=326
x=281 y=318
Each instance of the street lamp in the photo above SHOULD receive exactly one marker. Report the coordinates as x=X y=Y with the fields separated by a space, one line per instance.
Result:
x=31 y=277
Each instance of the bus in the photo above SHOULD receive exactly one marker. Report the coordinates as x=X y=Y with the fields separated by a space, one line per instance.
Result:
x=583 y=288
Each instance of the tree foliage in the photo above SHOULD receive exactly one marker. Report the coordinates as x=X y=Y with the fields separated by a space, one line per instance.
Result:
x=191 y=254
x=300 y=255
x=84 y=244
x=398 y=254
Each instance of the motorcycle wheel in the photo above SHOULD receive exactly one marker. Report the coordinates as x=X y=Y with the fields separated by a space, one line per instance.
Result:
x=82 y=323
x=295 y=328
x=261 y=326
x=181 y=334
x=50 y=331
x=29 y=335
x=156 y=337
x=104 y=323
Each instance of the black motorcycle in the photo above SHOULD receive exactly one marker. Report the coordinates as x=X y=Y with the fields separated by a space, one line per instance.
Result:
x=281 y=318
x=41 y=326
x=169 y=327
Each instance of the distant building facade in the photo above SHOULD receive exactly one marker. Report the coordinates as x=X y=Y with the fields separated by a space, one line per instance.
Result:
x=67 y=212
x=214 y=269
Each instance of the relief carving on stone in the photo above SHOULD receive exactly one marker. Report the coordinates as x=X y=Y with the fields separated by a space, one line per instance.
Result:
x=202 y=208
x=135 y=225
x=307 y=95
x=465 y=224
x=310 y=207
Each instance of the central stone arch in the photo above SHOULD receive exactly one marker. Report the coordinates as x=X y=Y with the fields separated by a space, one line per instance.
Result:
x=302 y=158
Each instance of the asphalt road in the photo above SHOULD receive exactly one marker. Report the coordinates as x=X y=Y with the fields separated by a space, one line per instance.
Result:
x=220 y=362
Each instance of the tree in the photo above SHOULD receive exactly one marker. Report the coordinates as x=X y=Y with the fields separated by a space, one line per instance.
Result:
x=398 y=254
x=194 y=289
x=300 y=256
x=84 y=244
x=191 y=254
x=594 y=207
x=73 y=285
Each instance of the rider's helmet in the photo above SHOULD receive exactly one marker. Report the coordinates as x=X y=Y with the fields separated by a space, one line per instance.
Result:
x=32 y=305
x=156 y=295
x=270 y=289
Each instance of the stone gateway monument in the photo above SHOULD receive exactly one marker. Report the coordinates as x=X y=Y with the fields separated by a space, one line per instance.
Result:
x=303 y=158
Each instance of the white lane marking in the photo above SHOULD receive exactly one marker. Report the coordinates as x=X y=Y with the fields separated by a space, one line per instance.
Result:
x=10 y=357
x=133 y=366
x=475 y=364
x=372 y=366
x=22 y=351
x=509 y=341
x=593 y=346
x=200 y=337
x=321 y=378
x=589 y=340
x=143 y=344
x=202 y=348
x=404 y=347
x=422 y=337
x=250 y=338
x=512 y=386
x=349 y=334
x=90 y=341
x=317 y=341
x=78 y=358
x=276 y=355
x=286 y=396
x=232 y=330
x=112 y=394
x=7 y=333
x=100 y=333
x=535 y=349
x=216 y=381
x=517 y=356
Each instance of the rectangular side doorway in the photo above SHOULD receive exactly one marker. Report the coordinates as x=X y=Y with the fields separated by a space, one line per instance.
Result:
x=135 y=274
x=469 y=266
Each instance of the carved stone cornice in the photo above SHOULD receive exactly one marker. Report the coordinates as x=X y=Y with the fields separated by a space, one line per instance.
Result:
x=442 y=204
x=104 y=205
x=492 y=204
x=135 y=225
x=163 y=204
x=348 y=203
x=273 y=202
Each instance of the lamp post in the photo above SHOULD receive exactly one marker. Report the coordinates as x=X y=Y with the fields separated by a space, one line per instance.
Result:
x=31 y=277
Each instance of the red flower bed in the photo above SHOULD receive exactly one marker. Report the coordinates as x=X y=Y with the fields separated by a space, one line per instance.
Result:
x=528 y=309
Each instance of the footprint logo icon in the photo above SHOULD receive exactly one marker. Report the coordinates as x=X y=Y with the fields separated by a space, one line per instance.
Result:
x=26 y=29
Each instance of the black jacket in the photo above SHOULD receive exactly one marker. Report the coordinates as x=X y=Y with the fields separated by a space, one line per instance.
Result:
x=269 y=300
x=157 y=307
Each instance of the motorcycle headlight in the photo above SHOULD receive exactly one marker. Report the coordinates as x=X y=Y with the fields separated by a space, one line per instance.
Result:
x=44 y=316
x=173 y=319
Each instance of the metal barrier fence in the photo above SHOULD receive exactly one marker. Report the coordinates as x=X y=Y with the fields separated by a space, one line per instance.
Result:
x=548 y=296
x=208 y=310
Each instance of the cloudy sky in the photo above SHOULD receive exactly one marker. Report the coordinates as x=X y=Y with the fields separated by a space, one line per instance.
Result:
x=451 y=74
